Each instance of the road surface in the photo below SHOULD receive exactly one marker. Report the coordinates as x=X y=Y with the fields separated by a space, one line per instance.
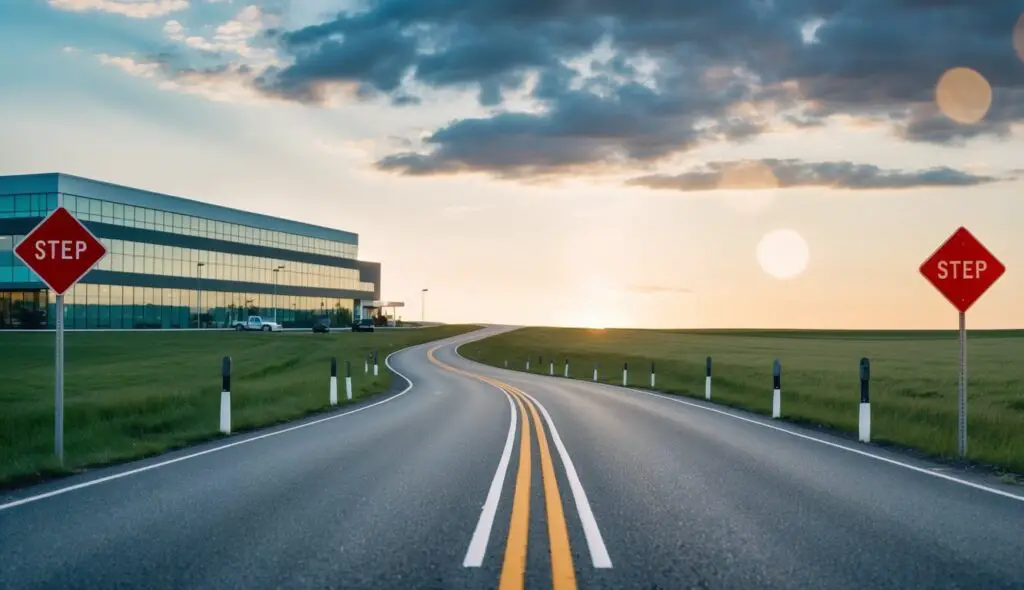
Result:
x=434 y=488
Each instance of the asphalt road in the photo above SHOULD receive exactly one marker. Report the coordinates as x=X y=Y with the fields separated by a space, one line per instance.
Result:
x=427 y=489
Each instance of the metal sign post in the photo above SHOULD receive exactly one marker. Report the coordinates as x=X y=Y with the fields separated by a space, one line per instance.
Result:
x=962 y=389
x=61 y=251
x=58 y=389
x=962 y=269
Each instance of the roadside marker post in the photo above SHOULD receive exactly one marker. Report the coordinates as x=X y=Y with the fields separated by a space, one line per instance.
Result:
x=962 y=269
x=61 y=251
x=366 y=364
x=348 y=381
x=776 y=389
x=566 y=373
x=375 y=363
x=506 y=363
x=707 y=379
x=527 y=363
x=864 y=424
x=225 y=395
x=595 y=372
x=551 y=368
x=625 y=373
x=334 y=381
x=652 y=374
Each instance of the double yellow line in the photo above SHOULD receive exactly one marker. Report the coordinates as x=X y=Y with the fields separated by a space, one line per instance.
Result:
x=513 y=569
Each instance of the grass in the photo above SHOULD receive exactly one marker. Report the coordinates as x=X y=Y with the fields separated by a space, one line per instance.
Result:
x=133 y=394
x=913 y=377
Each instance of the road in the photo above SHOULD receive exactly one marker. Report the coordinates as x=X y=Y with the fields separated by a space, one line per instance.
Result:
x=433 y=488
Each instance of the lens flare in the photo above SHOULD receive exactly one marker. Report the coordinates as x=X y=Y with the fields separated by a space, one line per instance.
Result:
x=963 y=95
x=783 y=254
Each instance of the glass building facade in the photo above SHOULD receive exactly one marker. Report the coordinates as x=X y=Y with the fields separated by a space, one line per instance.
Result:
x=178 y=263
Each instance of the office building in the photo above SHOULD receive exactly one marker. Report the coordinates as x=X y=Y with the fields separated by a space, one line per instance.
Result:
x=179 y=263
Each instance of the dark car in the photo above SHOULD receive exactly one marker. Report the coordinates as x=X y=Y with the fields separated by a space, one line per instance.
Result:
x=363 y=325
x=323 y=325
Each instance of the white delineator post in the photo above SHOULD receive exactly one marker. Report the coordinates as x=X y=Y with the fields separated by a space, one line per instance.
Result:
x=707 y=379
x=864 y=423
x=334 y=381
x=652 y=375
x=348 y=381
x=551 y=368
x=366 y=364
x=225 y=396
x=776 y=389
x=566 y=372
x=625 y=373
x=527 y=363
x=595 y=372
x=375 y=373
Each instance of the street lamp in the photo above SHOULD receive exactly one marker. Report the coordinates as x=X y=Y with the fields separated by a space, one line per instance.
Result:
x=276 y=270
x=423 y=305
x=199 y=294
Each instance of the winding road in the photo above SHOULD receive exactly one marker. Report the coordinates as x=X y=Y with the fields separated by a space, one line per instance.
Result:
x=478 y=477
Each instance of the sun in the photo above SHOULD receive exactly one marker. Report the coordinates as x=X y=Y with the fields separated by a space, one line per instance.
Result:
x=783 y=254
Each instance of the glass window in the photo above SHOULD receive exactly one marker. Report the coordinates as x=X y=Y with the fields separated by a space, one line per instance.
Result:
x=118 y=213
x=108 y=211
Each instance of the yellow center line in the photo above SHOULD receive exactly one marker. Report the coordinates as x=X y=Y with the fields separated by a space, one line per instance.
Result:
x=513 y=569
x=513 y=572
x=563 y=574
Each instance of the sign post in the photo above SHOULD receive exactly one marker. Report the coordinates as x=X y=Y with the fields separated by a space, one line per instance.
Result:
x=962 y=269
x=61 y=251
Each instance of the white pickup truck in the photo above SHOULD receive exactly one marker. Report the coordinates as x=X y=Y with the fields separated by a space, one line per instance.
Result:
x=256 y=323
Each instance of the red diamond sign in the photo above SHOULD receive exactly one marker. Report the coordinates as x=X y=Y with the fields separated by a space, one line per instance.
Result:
x=60 y=250
x=962 y=269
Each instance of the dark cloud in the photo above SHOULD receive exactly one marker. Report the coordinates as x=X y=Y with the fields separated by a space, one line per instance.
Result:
x=672 y=73
x=772 y=173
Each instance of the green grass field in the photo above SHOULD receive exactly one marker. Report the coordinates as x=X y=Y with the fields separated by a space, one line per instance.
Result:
x=913 y=377
x=134 y=394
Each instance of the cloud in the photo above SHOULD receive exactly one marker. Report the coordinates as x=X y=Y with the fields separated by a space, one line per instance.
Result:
x=221 y=83
x=235 y=58
x=235 y=37
x=624 y=84
x=129 y=8
x=772 y=173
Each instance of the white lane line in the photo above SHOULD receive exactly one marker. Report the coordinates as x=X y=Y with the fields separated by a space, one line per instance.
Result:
x=595 y=542
x=923 y=470
x=478 y=544
x=58 y=492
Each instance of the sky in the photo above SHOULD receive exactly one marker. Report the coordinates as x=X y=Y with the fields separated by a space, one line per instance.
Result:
x=601 y=163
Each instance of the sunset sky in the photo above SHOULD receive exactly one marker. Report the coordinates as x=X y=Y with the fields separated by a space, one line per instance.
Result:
x=604 y=163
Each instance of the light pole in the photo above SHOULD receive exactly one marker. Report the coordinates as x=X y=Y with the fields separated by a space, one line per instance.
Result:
x=199 y=294
x=423 y=305
x=276 y=270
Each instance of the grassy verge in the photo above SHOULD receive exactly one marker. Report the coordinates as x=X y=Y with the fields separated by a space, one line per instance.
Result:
x=133 y=394
x=913 y=377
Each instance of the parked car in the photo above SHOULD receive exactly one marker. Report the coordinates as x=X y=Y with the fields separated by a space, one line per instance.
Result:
x=256 y=324
x=323 y=325
x=363 y=325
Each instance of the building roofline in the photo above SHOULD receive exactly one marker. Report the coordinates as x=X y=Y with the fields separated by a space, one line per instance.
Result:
x=78 y=185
